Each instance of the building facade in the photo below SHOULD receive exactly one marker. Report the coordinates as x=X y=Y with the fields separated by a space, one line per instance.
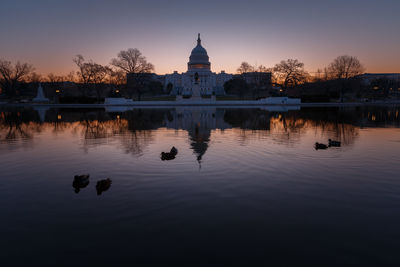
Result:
x=198 y=73
x=368 y=78
x=198 y=77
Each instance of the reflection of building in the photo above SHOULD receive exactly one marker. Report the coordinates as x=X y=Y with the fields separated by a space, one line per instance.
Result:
x=198 y=121
x=199 y=141
x=198 y=66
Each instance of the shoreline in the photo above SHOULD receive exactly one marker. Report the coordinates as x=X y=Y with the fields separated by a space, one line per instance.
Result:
x=242 y=104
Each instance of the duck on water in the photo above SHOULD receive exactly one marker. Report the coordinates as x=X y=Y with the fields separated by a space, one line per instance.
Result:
x=320 y=146
x=169 y=155
x=334 y=143
x=80 y=181
x=331 y=143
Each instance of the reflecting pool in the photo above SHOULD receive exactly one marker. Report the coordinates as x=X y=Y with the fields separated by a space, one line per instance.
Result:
x=243 y=187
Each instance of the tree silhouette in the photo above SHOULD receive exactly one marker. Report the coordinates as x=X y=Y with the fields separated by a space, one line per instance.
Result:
x=11 y=75
x=345 y=67
x=290 y=72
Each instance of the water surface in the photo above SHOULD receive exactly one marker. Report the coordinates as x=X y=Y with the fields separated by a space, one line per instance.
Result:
x=246 y=188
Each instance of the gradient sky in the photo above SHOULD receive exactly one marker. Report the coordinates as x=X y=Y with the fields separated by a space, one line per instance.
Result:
x=49 y=33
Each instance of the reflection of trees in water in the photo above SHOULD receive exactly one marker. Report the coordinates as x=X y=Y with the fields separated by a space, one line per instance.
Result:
x=145 y=119
x=138 y=129
x=99 y=132
x=291 y=129
x=18 y=125
x=381 y=117
x=337 y=123
x=260 y=124
x=252 y=119
x=285 y=129
x=135 y=141
x=60 y=126
x=133 y=129
x=94 y=126
x=344 y=132
x=288 y=127
x=255 y=120
x=138 y=124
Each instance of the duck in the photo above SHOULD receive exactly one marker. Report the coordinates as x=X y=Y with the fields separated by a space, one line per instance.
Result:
x=174 y=151
x=334 y=143
x=169 y=155
x=82 y=177
x=80 y=181
x=320 y=146
x=103 y=185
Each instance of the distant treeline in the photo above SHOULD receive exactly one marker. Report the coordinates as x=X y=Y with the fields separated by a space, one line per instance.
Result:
x=341 y=80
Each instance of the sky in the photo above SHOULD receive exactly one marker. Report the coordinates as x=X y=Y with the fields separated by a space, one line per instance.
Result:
x=49 y=33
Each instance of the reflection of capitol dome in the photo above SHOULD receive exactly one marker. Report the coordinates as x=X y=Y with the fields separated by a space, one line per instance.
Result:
x=200 y=138
x=198 y=58
x=198 y=122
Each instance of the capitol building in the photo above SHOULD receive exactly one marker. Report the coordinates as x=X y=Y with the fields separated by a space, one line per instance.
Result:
x=198 y=79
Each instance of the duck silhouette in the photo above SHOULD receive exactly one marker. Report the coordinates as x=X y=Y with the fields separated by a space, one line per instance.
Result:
x=320 y=146
x=169 y=155
x=103 y=185
x=334 y=143
x=80 y=181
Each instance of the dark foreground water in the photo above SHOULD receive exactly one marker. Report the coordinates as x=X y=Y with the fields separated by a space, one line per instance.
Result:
x=246 y=188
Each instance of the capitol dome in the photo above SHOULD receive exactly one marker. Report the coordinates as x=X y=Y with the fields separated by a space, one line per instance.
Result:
x=198 y=59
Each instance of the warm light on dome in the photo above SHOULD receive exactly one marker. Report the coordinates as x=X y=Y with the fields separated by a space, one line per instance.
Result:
x=199 y=58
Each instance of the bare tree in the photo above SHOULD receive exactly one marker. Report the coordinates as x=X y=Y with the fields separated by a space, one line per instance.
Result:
x=345 y=67
x=11 y=75
x=91 y=75
x=35 y=78
x=132 y=61
x=70 y=77
x=262 y=68
x=290 y=72
x=100 y=76
x=245 y=67
x=84 y=73
x=117 y=79
x=342 y=69
x=52 y=78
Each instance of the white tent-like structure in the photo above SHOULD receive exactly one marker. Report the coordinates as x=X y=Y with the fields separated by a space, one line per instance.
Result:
x=40 y=95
